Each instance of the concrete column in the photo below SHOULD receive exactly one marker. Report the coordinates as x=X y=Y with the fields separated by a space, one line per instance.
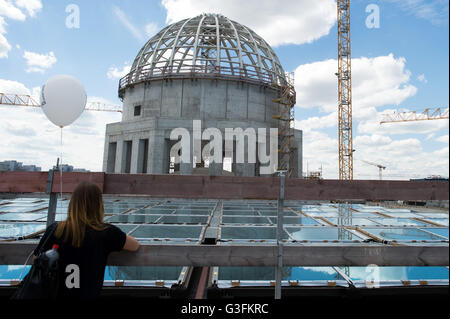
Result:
x=106 y=154
x=119 y=150
x=157 y=158
x=110 y=154
x=134 y=156
x=127 y=154
x=267 y=154
x=187 y=168
x=142 y=156
x=215 y=169
x=296 y=161
x=246 y=168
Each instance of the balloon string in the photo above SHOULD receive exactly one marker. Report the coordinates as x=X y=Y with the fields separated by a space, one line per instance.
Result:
x=61 y=166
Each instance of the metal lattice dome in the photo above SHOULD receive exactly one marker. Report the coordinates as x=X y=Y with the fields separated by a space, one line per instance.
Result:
x=206 y=45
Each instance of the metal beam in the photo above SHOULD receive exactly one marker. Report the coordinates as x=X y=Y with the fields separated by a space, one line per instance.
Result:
x=362 y=254
x=227 y=187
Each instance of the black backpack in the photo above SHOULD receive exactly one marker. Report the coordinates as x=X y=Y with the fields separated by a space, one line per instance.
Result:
x=42 y=281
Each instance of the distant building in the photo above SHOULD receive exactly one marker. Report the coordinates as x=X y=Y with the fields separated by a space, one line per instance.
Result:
x=432 y=178
x=70 y=168
x=18 y=166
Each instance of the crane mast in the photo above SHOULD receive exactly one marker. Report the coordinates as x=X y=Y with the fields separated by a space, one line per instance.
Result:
x=344 y=91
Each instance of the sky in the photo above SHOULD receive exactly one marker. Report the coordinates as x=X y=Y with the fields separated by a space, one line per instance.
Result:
x=400 y=62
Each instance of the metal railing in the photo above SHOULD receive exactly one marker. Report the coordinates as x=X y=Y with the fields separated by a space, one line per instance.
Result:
x=152 y=73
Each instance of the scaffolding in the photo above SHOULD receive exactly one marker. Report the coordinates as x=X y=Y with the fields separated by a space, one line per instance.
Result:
x=285 y=119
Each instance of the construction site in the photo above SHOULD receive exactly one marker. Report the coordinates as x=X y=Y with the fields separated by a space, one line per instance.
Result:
x=225 y=228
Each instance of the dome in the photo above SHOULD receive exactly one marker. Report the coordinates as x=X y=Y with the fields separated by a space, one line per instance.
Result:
x=208 y=45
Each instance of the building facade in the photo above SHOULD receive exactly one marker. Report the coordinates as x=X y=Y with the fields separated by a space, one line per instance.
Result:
x=208 y=69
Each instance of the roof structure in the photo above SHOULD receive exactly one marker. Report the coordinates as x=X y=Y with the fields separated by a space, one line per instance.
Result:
x=208 y=45
x=165 y=221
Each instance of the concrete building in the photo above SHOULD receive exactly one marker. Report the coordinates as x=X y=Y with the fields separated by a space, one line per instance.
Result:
x=70 y=168
x=18 y=166
x=206 y=68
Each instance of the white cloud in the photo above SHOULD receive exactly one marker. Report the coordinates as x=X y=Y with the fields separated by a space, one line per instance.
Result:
x=151 y=29
x=435 y=11
x=13 y=11
x=116 y=73
x=422 y=78
x=290 y=22
x=141 y=35
x=372 y=140
x=126 y=22
x=442 y=139
x=13 y=87
x=31 y=6
x=376 y=81
x=39 y=62
x=4 y=45
x=9 y=10
x=314 y=123
x=23 y=130
x=319 y=149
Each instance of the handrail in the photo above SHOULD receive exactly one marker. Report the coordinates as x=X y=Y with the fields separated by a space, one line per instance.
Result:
x=362 y=254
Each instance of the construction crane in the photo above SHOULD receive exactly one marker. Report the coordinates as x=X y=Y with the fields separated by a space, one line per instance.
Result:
x=427 y=115
x=380 y=168
x=344 y=91
x=28 y=100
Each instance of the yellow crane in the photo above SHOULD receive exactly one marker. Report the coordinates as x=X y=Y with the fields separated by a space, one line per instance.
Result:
x=380 y=167
x=427 y=115
x=344 y=75
x=28 y=100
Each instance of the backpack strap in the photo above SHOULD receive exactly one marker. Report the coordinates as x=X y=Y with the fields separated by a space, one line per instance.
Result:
x=44 y=240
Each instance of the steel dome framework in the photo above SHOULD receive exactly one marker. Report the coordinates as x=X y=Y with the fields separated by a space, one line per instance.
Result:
x=207 y=45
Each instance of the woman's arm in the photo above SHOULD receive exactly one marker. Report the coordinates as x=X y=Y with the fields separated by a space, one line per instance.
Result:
x=131 y=244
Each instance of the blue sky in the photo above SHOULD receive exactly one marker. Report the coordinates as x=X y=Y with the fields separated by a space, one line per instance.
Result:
x=403 y=64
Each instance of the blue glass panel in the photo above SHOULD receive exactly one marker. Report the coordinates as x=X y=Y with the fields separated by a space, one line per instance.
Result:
x=401 y=234
x=440 y=221
x=398 y=222
x=353 y=221
x=398 y=273
x=17 y=230
x=296 y=220
x=320 y=234
x=13 y=271
x=167 y=231
x=259 y=232
x=439 y=231
x=142 y=273
x=20 y=217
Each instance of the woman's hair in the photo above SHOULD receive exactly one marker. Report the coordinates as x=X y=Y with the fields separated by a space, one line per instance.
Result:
x=85 y=209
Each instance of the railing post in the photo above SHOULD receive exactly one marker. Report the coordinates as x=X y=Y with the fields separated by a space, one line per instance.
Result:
x=279 y=268
x=51 y=213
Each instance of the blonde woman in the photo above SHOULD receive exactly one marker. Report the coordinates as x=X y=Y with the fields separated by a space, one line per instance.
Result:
x=85 y=242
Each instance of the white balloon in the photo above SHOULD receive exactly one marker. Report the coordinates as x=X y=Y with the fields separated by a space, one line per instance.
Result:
x=63 y=99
